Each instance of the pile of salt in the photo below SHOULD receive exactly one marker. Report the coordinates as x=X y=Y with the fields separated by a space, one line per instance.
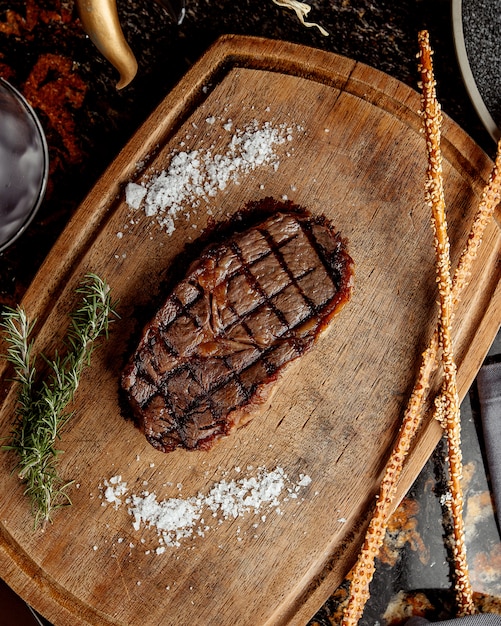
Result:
x=197 y=175
x=178 y=518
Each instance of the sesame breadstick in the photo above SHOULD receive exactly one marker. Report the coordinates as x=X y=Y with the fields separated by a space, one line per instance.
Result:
x=363 y=570
x=447 y=404
x=491 y=196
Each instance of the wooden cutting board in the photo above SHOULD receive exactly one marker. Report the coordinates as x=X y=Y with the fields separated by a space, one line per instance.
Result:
x=351 y=149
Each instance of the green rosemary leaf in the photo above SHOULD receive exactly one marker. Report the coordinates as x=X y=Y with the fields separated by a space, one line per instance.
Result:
x=41 y=410
x=18 y=330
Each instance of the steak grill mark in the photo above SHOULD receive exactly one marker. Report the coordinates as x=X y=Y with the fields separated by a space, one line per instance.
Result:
x=246 y=308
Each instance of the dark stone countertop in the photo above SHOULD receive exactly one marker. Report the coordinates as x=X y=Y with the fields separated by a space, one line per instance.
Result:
x=45 y=54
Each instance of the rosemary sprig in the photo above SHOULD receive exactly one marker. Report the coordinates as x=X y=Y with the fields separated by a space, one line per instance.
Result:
x=42 y=412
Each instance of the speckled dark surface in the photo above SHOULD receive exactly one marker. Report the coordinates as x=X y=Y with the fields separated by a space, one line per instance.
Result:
x=45 y=54
x=481 y=27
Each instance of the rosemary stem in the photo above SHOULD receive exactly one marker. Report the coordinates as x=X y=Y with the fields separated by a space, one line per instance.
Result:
x=41 y=410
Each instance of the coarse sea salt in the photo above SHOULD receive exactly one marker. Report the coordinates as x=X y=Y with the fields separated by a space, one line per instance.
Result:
x=178 y=518
x=114 y=489
x=197 y=175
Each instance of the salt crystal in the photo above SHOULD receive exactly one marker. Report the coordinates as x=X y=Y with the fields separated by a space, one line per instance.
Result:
x=134 y=195
x=304 y=480
x=114 y=490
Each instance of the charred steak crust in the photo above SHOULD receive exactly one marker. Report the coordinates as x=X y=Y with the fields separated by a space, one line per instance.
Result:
x=246 y=308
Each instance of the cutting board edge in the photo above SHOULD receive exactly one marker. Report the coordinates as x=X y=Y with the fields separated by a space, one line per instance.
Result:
x=77 y=235
x=45 y=598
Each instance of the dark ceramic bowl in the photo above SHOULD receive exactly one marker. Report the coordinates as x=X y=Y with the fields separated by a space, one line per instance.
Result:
x=24 y=164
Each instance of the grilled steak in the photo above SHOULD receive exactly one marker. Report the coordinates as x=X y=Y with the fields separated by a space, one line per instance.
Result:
x=245 y=309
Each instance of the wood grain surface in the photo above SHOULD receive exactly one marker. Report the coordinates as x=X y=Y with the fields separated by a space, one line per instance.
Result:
x=356 y=154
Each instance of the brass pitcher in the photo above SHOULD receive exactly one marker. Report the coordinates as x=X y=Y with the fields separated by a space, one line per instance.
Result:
x=101 y=22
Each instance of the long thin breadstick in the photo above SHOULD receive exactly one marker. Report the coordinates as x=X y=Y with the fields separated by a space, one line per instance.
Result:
x=447 y=404
x=363 y=570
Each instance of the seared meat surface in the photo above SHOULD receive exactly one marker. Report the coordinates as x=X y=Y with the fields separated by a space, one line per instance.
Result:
x=245 y=309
